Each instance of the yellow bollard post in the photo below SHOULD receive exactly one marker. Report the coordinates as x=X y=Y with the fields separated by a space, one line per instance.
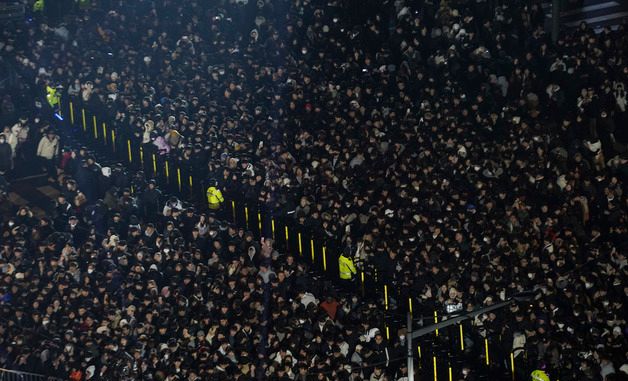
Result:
x=167 y=172
x=386 y=297
x=128 y=144
x=179 y=178
x=451 y=377
x=104 y=132
x=436 y=321
x=324 y=258
x=287 y=239
x=84 y=121
x=362 y=282
x=113 y=140
x=488 y=361
x=233 y=211
x=95 y=127
x=312 y=249
x=190 y=181
x=132 y=189
x=142 y=156
x=387 y=332
x=461 y=339
x=71 y=113
x=154 y=164
x=410 y=305
x=259 y=222
x=272 y=226
x=435 y=370
x=300 y=245
x=512 y=365
x=246 y=216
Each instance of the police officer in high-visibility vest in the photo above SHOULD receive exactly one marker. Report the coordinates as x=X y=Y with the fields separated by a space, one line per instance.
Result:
x=539 y=375
x=38 y=6
x=52 y=97
x=346 y=269
x=214 y=195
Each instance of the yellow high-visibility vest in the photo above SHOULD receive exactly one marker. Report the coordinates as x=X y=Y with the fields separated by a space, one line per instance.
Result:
x=539 y=375
x=214 y=197
x=38 y=6
x=51 y=96
x=346 y=267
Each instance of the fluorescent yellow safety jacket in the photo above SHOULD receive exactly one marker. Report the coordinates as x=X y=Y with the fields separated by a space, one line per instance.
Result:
x=38 y=6
x=345 y=267
x=52 y=97
x=214 y=197
x=539 y=375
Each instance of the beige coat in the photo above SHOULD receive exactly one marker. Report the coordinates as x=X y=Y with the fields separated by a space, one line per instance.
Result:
x=47 y=148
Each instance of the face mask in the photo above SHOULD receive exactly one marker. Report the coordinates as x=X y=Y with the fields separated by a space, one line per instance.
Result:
x=89 y=271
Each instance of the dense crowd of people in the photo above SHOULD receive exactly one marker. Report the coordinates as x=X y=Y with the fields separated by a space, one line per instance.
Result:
x=450 y=145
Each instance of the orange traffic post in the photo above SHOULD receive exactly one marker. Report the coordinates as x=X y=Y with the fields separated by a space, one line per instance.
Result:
x=272 y=226
x=233 y=211
x=113 y=140
x=155 y=164
x=246 y=216
x=312 y=249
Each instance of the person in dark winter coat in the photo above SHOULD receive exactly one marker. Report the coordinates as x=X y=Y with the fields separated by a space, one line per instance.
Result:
x=6 y=156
